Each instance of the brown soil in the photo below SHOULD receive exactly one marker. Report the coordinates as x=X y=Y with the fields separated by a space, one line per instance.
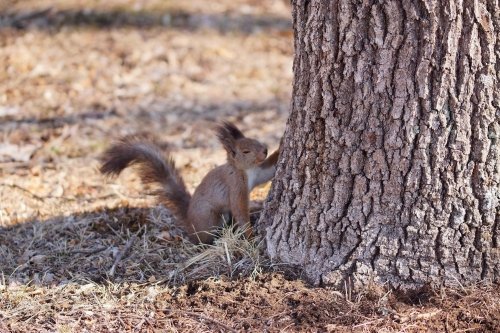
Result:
x=273 y=303
x=79 y=253
x=269 y=303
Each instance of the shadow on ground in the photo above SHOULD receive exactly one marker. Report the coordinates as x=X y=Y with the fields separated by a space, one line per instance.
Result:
x=51 y=18
x=158 y=114
x=124 y=244
x=86 y=246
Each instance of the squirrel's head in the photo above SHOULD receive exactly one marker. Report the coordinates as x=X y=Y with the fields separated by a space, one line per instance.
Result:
x=242 y=152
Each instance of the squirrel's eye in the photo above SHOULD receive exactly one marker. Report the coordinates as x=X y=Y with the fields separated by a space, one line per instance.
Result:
x=246 y=151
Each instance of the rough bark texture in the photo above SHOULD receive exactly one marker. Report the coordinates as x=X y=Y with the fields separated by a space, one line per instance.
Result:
x=390 y=163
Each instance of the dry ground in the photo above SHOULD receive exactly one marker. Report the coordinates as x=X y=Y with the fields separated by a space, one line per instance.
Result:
x=79 y=253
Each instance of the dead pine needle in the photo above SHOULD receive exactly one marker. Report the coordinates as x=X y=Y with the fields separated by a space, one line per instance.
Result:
x=123 y=253
x=419 y=316
x=204 y=317
x=228 y=256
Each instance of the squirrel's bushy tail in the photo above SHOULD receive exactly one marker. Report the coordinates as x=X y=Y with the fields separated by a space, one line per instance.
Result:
x=153 y=168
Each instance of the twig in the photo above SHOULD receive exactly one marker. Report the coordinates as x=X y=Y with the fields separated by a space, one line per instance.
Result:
x=89 y=252
x=426 y=315
x=42 y=199
x=369 y=322
x=119 y=317
x=123 y=253
x=204 y=317
x=228 y=257
x=139 y=326
x=24 y=190
x=33 y=15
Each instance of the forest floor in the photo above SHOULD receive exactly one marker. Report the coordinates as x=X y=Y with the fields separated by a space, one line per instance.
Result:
x=81 y=253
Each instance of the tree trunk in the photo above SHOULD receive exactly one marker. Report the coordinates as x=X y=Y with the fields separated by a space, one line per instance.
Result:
x=390 y=167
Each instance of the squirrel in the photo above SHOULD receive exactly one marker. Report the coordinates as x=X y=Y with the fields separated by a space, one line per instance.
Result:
x=223 y=190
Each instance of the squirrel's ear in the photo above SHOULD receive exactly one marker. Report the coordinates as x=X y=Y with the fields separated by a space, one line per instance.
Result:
x=228 y=134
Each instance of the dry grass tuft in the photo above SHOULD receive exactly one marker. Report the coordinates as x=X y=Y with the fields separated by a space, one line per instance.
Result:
x=232 y=254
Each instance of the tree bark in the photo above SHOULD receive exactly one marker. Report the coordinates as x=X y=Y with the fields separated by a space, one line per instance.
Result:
x=390 y=169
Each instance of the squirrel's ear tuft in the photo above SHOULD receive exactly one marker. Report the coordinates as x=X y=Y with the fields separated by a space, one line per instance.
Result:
x=228 y=133
x=230 y=129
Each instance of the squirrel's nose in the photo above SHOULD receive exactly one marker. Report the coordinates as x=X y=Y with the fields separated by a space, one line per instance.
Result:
x=265 y=151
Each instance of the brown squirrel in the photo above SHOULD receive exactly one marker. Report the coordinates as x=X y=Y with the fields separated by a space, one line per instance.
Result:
x=223 y=190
